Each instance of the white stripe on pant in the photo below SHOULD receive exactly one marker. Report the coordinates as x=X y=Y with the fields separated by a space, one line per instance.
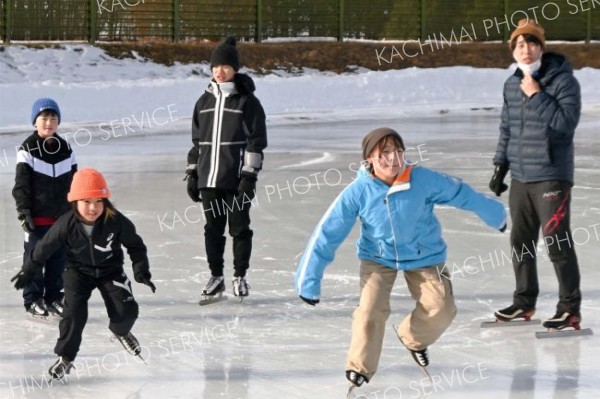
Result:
x=433 y=313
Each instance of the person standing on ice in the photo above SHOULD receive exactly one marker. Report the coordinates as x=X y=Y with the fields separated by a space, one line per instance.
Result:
x=399 y=232
x=229 y=135
x=93 y=233
x=542 y=106
x=45 y=168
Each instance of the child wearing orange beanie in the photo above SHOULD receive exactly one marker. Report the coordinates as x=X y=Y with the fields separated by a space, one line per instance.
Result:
x=93 y=232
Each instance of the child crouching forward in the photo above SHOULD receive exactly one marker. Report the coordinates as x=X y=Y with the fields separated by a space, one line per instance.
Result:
x=399 y=232
x=93 y=233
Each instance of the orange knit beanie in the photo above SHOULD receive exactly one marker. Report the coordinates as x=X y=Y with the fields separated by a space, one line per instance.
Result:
x=88 y=183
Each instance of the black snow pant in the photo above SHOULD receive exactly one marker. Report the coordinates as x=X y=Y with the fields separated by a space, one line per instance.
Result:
x=544 y=205
x=221 y=206
x=50 y=284
x=118 y=298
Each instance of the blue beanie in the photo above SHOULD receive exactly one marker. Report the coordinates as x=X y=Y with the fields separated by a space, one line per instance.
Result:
x=44 y=104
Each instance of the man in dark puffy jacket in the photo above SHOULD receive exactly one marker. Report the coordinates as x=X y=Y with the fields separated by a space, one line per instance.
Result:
x=541 y=110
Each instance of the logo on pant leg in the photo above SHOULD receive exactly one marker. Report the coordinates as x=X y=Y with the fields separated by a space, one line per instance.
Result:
x=552 y=195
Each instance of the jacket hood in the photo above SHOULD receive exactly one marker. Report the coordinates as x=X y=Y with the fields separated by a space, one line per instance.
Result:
x=244 y=84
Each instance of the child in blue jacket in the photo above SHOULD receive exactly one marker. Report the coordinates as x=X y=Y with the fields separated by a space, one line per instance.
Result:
x=400 y=232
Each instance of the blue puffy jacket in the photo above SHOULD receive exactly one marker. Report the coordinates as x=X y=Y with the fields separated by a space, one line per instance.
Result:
x=536 y=134
x=399 y=229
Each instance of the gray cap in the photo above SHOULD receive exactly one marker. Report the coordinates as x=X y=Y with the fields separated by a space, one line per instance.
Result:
x=373 y=137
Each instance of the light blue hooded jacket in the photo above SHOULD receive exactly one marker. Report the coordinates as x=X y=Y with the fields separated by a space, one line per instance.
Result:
x=399 y=229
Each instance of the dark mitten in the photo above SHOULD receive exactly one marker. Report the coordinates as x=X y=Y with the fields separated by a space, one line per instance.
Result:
x=503 y=228
x=311 y=302
x=192 y=185
x=246 y=188
x=497 y=183
x=26 y=221
x=191 y=174
x=22 y=279
x=144 y=278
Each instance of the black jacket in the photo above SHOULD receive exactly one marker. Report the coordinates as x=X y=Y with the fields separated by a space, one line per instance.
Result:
x=101 y=254
x=43 y=177
x=228 y=125
x=536 y=134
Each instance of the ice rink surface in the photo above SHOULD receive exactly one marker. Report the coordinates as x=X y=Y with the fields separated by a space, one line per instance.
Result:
x=273 y=346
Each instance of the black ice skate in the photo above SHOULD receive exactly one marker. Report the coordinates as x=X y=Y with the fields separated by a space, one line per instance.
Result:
x=563 y=324
x=131 y=344
x=59 y=369
x=512 y=316
x=240 y=287
x=37 y=310
x=56 y=308
x=421 y=357
x=356 y=380
x=213 y=292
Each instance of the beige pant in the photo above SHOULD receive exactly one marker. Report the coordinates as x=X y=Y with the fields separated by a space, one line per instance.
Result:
x=433 y=313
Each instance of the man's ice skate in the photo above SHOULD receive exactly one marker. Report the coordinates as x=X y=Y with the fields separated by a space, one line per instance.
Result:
x=240 y=287
x=131 y=344
x=56 y=308
x=563 y=324
x=356 y=380
x=421 y=357
x=213 y=292
x=60 y=368
x=37 y=310
x=512 y=316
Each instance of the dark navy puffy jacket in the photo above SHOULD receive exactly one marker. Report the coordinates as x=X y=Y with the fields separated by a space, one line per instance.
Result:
x=536 y=134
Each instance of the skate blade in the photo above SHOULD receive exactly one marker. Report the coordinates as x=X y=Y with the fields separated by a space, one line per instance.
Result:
x=50 y=319
x=349 y=395
x=550 y=333
x=207 y=300
x=423 y=369
x=514 y=323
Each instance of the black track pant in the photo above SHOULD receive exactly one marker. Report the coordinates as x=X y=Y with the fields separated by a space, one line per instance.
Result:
x=120 y=305
x=220 y=206
x=48 y=286
x=544 y=205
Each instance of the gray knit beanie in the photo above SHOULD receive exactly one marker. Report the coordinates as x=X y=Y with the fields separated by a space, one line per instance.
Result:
x=373 y=137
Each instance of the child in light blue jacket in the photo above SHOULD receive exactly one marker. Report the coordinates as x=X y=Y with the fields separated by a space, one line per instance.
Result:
x=395 y=202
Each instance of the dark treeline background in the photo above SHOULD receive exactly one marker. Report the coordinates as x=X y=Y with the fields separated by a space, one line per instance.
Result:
x=256 y=20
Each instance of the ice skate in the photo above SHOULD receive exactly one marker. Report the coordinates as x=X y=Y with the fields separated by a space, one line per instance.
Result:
x=131 y=344
x=563 y=324
x=60 y=368
x=240 y=288
x=56 y=308
x=213 y=292
x=38 y=311
x=512 y=316
x=421 y=357
x=356 y=380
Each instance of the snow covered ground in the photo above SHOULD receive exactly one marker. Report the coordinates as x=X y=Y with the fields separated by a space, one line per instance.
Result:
x=130 y=119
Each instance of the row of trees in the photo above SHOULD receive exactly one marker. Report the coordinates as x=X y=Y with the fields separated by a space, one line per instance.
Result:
x=258 y=19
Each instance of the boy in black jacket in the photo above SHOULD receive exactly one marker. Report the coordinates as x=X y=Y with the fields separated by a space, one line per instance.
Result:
x=229 y=135
x=45 y=167
x=93 y=233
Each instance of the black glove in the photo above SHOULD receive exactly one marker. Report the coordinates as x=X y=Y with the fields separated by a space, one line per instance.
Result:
x=192 y=185
x=246 y=188
x=26 y=221
x=146 y=281
x=497 y=183
x=22 y=279
x=503 y=228
x=144 y=278
x=311 y=302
